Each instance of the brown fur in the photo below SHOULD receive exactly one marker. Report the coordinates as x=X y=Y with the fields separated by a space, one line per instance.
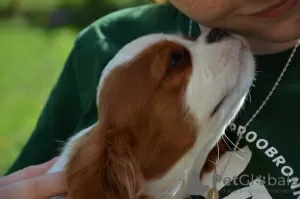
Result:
x=144 y=128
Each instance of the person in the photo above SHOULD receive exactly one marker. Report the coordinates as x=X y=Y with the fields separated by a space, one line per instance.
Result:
x=265 y=164
x=31 y=182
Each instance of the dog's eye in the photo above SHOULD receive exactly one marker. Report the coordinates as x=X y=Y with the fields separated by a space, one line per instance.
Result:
x=176 y=57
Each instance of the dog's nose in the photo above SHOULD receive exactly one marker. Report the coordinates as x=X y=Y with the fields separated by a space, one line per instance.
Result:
x=216 y=35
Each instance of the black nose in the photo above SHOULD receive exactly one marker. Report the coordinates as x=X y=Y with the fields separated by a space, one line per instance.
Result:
x=216 y=35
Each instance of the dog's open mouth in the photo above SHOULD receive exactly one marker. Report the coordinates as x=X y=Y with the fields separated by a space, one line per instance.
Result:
x=218 y=106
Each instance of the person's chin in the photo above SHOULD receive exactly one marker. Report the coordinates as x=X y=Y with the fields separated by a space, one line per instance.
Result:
x=280 y=36
x=285 y=31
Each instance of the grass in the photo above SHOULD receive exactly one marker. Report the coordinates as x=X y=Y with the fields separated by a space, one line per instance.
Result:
x=30 y=62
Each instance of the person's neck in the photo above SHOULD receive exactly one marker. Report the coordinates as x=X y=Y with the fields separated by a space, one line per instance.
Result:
x=260 y=47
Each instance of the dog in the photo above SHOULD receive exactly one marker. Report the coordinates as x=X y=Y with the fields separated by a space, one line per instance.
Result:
x=163 y=103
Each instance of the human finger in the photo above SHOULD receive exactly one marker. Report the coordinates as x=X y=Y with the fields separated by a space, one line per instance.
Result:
x=41 y=187
x=29 y=172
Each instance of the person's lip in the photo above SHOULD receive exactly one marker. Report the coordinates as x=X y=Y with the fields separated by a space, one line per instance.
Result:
x=277 y=9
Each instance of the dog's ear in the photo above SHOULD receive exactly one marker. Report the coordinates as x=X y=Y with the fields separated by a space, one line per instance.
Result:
x=104 y=166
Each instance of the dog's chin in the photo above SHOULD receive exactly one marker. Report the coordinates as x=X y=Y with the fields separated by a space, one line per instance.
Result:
x=230 y=104
x=240 y=72
x=238 y=94
x=227 y=109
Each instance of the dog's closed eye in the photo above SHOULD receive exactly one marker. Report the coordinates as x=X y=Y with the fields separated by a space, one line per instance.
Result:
x=175 y=58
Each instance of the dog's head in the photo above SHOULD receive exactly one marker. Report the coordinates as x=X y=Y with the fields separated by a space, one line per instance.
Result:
x=161 y=97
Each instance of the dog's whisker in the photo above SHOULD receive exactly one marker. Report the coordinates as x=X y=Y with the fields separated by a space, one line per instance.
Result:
x=168 y=190
x=226 y=143
x=211 y=161
x=59 y=141
x=250 y=97
x=233 y=143
x=218 y=149
x=239 y=156
x=62 y=145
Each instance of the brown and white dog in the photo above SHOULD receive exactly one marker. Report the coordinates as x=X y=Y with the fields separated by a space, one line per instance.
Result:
x=163 y=103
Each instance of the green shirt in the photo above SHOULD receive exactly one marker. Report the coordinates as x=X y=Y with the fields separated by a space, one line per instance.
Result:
x=269 y=145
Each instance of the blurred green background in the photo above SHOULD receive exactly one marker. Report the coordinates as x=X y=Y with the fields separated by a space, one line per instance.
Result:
x=36 y=37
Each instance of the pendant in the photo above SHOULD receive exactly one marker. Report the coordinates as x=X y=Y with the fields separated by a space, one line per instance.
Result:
x=213 y=192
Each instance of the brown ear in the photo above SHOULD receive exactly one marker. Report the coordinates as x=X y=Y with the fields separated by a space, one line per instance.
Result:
x=104 y=166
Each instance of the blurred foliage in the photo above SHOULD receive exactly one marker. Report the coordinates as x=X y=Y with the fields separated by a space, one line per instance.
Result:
x=78 y=13
x=31 y=60
x=52 y=4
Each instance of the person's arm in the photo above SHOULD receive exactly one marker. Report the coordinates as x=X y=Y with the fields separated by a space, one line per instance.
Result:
x=57 y=121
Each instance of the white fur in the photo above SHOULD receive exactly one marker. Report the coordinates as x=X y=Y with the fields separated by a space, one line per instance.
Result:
x=67 y=150
x=64 y=157
x=218 y=68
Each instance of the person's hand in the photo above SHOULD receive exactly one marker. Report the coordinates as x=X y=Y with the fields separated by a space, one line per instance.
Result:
x=32 y=183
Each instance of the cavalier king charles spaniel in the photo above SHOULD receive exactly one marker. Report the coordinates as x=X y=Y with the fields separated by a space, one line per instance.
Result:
x=164 y=102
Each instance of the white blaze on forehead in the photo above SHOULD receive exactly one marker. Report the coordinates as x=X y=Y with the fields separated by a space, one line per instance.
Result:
x=131 y=50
